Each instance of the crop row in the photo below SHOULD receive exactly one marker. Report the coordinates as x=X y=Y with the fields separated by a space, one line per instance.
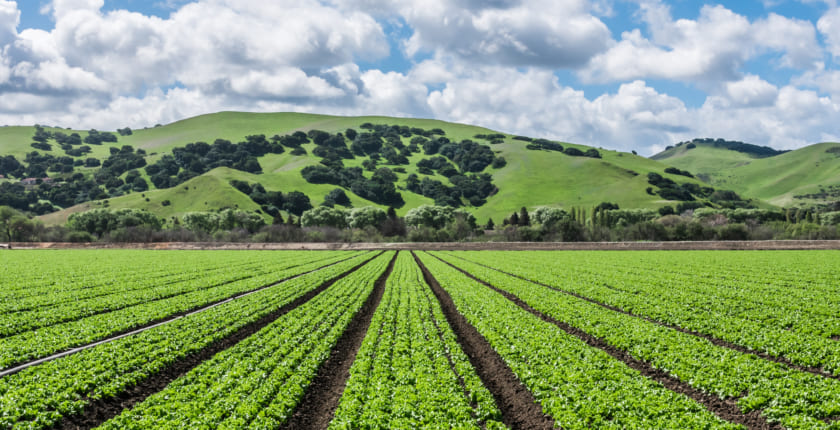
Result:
x=410 y=371
x=796 y=399
x=70 y=270
x=45 y=341
x=105 y=286
x=578 y=385
x=800 y=305
x=258 y=382
x=657 y=297
x=38 y=397
x=125 y=294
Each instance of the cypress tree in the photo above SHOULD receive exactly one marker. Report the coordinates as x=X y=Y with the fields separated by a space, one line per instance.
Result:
x=524 y=218
x=514 y=219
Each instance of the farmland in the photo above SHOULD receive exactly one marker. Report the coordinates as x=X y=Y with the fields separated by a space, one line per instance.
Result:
x=137 y=339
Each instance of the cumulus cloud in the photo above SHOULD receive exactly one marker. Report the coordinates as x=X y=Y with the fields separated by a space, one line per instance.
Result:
x=548 y=33
x=751 y=91
x=9 y=20
x=829 y=26
x=713 y=47
x=503 y=64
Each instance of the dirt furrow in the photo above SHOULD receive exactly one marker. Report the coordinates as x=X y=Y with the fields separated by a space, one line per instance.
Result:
x=98 y=411
x=725 y=409
x=714 y=340
x=317 y=408
x=156 y=323
x=519 y=408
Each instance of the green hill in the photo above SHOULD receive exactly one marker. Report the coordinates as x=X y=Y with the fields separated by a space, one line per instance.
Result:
x=806 y=176
x=531 y=177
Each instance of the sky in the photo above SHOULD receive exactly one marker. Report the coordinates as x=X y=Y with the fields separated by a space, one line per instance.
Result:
x=617 y=74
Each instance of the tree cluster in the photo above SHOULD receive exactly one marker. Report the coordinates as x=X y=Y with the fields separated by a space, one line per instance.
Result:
x=272 y=202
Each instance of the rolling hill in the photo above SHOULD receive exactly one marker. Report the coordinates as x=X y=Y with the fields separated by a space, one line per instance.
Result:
x=806 y=176
x=530 y=178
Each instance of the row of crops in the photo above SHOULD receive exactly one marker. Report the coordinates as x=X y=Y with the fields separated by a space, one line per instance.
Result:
x=467 y=339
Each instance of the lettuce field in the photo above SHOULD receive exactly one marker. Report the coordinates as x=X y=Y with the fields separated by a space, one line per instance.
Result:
x=131 y=339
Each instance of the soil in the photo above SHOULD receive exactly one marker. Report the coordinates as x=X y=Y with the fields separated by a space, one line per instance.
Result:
x=724 y=409
x=317 y=408
x=519 y=408
x=716 y=341
x=453 y=246
x=98 y=411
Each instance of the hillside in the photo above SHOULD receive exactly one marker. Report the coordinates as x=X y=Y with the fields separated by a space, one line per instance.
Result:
x=806 y=176
x=530 y=177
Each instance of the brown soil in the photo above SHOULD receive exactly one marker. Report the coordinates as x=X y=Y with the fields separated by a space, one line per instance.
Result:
x=317 y=408
x=443 y=246
x=725 y=409
x=718 y=342
x=98 y=411
x=518 y=406
x=136 y=329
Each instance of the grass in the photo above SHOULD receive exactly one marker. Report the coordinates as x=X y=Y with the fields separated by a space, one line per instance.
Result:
x=530 y=179
x=775 y=180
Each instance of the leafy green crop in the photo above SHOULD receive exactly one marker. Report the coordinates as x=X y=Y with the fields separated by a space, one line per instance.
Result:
x=797 y=399
x=39 y=396
x=580 y=386
x=407 y=371
x=258 y=382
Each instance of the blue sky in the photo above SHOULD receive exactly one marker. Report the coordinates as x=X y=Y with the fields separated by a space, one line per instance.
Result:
x=621 y=74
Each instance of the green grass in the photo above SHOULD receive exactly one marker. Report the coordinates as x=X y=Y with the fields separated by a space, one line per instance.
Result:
x=775 y=180
x=530 y=179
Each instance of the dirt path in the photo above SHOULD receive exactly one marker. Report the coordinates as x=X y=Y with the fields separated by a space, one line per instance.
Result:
x=317 y=408
x=466 y=246
x=725 y=409
x=99 y=411
x=519 y=408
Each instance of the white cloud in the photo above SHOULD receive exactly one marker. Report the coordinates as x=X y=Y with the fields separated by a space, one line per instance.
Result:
x=9 y=20
x=493 y=63
x=711 y=48
x=752 y=91
x=829 y=26
x=548 y=33
x=283 y=83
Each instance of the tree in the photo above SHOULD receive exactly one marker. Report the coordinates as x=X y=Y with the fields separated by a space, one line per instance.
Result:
x=324 y=216
x=490 y=224
x=514 y=219
x=296 y=203
x=524 y=219
x=368 y=216
x=203 y=222
x=7 y=214
x=431 y=216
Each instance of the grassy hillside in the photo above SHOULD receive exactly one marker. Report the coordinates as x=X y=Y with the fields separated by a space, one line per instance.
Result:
x=776 y=180
x=531 y=178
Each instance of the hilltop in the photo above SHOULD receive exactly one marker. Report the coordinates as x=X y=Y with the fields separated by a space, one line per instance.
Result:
x=274 y=158
x=803 y=177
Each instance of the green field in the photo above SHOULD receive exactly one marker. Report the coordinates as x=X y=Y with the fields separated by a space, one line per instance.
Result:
x=371 y=339
x=776 y=180
x=530 y=179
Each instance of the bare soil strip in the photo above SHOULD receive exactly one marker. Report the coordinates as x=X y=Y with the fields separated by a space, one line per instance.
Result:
x=317 y=408
x=716 y=341
x=99 y=411
x=724 y=409
x=157 y=323
x=519 y=408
